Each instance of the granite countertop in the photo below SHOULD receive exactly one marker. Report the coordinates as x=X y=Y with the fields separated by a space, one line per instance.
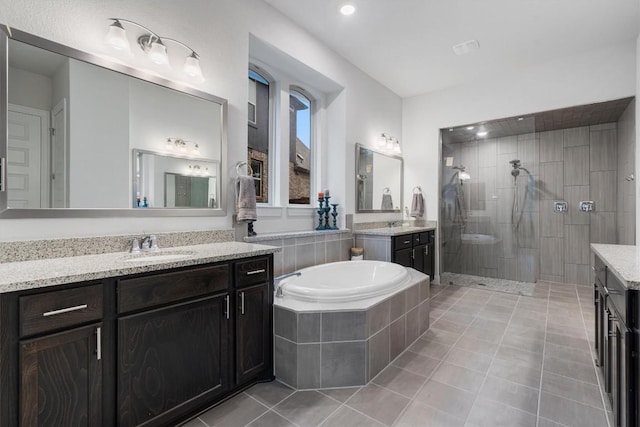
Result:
x=17 y=276
x=623 y=261
x=393 y=231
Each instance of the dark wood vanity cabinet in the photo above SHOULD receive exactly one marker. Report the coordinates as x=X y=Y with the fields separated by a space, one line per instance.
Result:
x=415 y=250
x=616 y=341
x=253 y=318
x=151 y=349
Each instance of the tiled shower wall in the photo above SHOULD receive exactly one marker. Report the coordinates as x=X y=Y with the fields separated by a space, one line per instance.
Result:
x=569 y=164
x=626 y=209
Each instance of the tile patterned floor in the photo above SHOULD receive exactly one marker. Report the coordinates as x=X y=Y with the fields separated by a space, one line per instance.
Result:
x=489 y=359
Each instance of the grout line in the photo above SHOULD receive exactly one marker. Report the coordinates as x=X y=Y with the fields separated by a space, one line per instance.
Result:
x=544 y=350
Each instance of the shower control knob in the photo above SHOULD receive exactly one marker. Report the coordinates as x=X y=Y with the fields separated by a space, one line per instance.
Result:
x=560 y=206
x=586 y=206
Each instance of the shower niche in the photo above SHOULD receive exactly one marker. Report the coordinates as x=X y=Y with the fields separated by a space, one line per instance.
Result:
x=511 y=188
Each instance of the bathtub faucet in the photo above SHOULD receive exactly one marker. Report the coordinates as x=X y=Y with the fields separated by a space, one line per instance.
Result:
x=278 y=282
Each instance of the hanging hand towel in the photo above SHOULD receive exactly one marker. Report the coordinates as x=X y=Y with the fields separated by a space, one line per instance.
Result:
x=417 y=205
x=387 y=203
x=246 y=199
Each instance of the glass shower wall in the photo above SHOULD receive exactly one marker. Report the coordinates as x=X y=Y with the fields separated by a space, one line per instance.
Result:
x=490 y=200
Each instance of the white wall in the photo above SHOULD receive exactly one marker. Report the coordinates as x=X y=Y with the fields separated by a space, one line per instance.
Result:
x=219 y=30
x=29 y=89
x=637 y=164
x=595 y=76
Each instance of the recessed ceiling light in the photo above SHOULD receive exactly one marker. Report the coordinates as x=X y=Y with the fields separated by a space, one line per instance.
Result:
x=347 y=9
x=469 y=127
x=520 y=119
x=483 y=133
x=450 y=129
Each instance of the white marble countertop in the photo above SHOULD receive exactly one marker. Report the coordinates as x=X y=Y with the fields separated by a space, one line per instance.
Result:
x=17 y=276
x=623 y=260
x=393 y=231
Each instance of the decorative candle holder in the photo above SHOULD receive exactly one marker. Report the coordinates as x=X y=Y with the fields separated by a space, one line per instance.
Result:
x=327 y=226
x=334 y=214
x=320 y=214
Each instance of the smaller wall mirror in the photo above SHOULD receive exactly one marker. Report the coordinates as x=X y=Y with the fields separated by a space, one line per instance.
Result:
x=378 y=181
x=171 y=181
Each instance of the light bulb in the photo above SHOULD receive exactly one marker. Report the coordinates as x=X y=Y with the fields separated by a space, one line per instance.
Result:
x=116 y=37
x=192 y=67
x=158 y=53
x=196 y=149
x=382 y=141
x=396 y=147
x=347 y=9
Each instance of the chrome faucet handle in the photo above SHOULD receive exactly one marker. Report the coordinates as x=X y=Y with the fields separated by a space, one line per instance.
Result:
x=153 y=242
x=135 y=246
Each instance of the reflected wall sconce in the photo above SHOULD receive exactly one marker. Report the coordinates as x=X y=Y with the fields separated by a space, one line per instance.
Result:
x=198 y=170
x=389 y=143
x=153 y=45
x=179 y=144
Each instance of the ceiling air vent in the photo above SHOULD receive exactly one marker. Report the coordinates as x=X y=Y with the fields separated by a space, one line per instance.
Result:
x=466 y=47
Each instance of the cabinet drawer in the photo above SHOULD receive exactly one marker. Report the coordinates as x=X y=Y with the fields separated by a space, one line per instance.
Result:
x=250 y=272
x=148 y=291
x=53 y=310
x=423 y=238
x=402 y=242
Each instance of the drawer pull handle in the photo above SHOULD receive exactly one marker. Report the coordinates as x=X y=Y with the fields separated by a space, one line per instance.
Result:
x=241 y=302
x=226 y=310
x=98 y=343
x=406 y=242
x=249 y=273
x=65 y=310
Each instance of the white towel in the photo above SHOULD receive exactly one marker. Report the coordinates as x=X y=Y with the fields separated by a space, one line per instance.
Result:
x=417 y=205
x=387 y=202
x=246 y=199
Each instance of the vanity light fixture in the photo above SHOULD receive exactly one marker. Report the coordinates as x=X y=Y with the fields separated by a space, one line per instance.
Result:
x=180 y=144
x=388 y=143
x=198 y=170
x=153 y=45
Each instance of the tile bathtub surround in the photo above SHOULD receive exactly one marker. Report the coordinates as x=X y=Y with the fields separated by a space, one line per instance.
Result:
x=347 y=348
x=61 y=248
x=306 y=248
x=483 y=372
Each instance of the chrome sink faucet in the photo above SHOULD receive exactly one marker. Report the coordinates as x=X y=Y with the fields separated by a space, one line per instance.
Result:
x=147 y=244
x=392 y=223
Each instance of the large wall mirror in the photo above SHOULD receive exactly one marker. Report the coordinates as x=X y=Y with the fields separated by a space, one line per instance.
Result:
x=76 y=124
x=378 y=181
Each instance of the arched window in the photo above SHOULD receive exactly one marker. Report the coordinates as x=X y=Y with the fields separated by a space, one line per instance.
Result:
x=300 y=146
x=259 y=122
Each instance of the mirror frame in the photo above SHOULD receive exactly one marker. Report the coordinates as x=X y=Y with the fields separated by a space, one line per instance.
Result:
x=7 y=33
x=365 y=147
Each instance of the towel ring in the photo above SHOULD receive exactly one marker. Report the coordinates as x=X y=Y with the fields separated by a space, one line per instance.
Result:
x=417 y=190
x=239 y=164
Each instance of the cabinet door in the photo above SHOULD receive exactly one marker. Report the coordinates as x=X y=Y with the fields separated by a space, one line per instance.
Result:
x=171 y=360
x=420 y=261
x=253 y=331
x=61 y=379
x=404 y=257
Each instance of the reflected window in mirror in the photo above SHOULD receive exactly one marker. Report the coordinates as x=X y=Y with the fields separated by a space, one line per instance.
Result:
x=300 y=146
x=259 y=128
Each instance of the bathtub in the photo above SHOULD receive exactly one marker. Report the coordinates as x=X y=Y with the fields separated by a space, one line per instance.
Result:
x=340 y=324
x=345 y=281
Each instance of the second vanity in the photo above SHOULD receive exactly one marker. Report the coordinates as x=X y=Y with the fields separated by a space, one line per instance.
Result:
x=411 y=246
x=122 y=339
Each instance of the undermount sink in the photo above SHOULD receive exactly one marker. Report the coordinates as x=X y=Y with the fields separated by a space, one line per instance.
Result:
x=157 y=256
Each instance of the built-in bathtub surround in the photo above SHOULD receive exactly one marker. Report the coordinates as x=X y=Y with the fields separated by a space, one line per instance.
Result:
x=326 y=345
x=306 y=248
x=61 y=248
